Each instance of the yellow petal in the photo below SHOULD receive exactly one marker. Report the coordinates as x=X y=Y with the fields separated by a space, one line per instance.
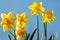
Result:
x=5 y=28
x=26 y=19
x=42 y=9
x=52 y=11
x=53 y=18
x=34 y=3
x=32 y=12
x=10 y=14
x=29 y=7
x=18 y=38
x=3 y=15
x=18 y=27
x=10 y=17
x=24 y=24
x=11 y=26
x=44 y=20
x=23 y=14
x=43 y=14
x=40 y=4
x=49 y=20
x=0 y=23
x=18 y=15
x=18 y=23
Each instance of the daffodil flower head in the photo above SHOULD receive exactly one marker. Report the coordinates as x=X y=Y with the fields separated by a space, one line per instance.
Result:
x=7 y=21
x=48 y=16
x=20 y=33
x=36 y=8
x=22 y=19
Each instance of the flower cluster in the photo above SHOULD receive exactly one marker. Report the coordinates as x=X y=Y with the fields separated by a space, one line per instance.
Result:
x=37 y=8
x=21 y=20
x=9 y=20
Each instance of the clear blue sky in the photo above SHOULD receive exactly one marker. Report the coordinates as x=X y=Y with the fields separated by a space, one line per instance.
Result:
x=19 y=6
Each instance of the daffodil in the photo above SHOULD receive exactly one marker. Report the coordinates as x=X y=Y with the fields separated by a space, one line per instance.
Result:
x=22 y=19
x=7 y=21
x=20 y=33
x=36 y=8
x=48 y=16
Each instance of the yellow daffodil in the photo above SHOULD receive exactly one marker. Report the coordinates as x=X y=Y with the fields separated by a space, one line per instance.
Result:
x=48 y=16
x=36 y=8
x=7 y=21
x=22 y=19
x=20 y=33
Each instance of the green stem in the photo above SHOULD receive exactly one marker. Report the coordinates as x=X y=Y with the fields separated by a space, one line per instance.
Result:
x=37 y=28
x=45 y=30
x=14 y=35
x=9 y=37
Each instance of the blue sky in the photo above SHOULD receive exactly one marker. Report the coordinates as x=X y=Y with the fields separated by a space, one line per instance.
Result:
x=19 y=6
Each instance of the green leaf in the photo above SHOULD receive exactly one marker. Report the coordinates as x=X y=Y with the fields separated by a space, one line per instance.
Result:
x=9 y=37
x=51 y=37
x=11 y=33
x=31 y=37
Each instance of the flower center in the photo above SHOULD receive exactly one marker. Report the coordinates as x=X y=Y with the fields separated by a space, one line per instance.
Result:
x=37 y=7
x=49 y=15
x=20 y=18
x=21 y=33
x=6 y=21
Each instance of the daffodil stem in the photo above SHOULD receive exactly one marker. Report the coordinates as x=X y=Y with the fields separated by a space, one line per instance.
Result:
x=9 y=37
x=37 y=28
x=45 y=30
x=14 y=35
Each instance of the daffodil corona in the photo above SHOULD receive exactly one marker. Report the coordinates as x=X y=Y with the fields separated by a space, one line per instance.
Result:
x=36 y=8
x=22 y=19
x=21 y=33
x=7 y=21
x=48 y=16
